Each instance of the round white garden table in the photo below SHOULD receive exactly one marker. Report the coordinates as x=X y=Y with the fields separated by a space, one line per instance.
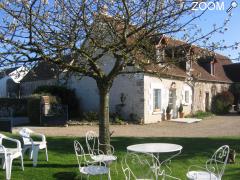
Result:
x=157 y=149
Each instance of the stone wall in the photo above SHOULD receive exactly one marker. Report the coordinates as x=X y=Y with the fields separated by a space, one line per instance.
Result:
x=201 y=89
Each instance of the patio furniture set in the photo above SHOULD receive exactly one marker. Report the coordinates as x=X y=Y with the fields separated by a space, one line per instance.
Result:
x=145 y=161
x=142 y=161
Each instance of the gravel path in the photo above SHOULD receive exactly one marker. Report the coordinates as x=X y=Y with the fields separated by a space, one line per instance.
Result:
x=209 y=127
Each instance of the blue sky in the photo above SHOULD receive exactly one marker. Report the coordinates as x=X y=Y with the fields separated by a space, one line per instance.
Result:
x=232 y=35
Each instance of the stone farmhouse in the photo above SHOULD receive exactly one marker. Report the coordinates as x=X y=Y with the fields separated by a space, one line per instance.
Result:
x=191 y=82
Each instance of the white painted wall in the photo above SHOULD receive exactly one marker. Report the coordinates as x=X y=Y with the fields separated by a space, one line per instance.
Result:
x=130 y=85
x=164 y=84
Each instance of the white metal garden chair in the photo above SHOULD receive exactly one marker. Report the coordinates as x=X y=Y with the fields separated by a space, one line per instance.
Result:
x=33 y=146
x=96 y=154
x=141 y=167
x=214 y=168
x=87 y=166
x=9 y=154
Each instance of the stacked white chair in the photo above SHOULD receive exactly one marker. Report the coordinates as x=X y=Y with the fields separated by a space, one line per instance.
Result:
x=9 y=154
x=31 y=145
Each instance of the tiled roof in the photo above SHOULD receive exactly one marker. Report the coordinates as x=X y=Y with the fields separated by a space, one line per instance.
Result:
x=43 y=71
x=198 y=70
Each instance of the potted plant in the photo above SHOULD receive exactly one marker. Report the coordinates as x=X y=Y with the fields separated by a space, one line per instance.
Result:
x=180 y=110
x=168 y=112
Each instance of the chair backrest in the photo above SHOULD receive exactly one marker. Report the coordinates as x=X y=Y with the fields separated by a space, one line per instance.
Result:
x=2 y=148
x=218 y=161
x=1 y=138
x=92 y=142
x=26 y=134
x=140 y=166
x=80 y=154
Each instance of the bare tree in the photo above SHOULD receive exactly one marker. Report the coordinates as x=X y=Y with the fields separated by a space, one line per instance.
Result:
x=77 y=35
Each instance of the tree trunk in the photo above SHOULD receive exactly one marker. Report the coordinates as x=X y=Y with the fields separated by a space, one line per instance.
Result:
x=104 y=134
x=193 y=99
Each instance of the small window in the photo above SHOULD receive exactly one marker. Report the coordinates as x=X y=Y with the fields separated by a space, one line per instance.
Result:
x=186 y=97
x=156 y=99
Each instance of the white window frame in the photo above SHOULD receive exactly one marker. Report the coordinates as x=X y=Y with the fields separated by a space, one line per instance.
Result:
x=153 y=86
x=159 y=98
x=186 y=92
x=187 y=88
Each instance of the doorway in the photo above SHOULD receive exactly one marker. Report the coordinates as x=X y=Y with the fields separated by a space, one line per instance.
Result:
x=172 y=102
x=207 y=102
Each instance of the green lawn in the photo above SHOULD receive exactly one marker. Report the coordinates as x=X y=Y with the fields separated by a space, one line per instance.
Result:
x=62 y=164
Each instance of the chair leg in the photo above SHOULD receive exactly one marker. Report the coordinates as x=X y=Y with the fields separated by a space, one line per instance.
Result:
x=31 y=153
x=8 y=168
x=109 y=175
x=3 y=163
x=46 y=153
x=22 y=162
x=35 y=155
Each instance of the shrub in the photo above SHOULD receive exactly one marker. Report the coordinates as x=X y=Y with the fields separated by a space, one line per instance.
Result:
x=90 y=116
x=180 y=109
x=67 y=96
x=222 y=102
x=200 y=115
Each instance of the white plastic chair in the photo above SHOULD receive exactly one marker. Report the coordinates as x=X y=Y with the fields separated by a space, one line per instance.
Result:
x=140 y=166
x=96 y=154
x=214 y=168
x=88 y=167
x=9 y=154
x=33 y=146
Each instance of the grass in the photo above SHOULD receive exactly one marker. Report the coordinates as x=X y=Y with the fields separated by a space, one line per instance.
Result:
x=62 y=164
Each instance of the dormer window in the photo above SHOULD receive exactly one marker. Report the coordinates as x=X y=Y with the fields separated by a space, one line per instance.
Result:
x=160 y=55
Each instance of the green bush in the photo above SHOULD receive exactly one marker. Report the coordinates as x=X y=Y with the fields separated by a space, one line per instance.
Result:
x=17 y=106
x=222 y=102
x=90 y=116
x=67 y=96
x=33 y=107
x=200 y=115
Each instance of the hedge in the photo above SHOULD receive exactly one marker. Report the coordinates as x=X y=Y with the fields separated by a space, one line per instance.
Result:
x=17 y=106
x=67 y=96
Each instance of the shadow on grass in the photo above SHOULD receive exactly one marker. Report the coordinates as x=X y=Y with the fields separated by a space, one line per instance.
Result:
x=51 y=165
x=65 y=176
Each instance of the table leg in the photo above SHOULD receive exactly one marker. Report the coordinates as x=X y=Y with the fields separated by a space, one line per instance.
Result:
x=165 y=162
x=35 y=155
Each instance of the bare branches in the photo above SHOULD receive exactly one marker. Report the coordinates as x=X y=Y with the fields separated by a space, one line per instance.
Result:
x=88 y=31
